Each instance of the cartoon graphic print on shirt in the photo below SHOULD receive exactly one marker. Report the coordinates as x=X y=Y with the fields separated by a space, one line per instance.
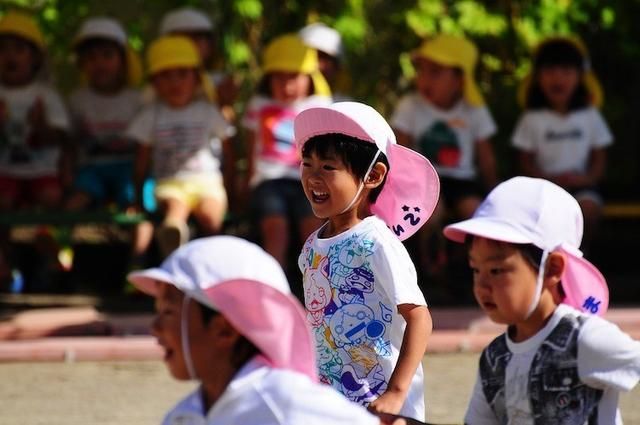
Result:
x=276 y=127
x=440 y=144
x=351 y=333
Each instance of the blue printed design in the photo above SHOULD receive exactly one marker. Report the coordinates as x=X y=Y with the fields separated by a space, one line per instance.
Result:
x=350 y=319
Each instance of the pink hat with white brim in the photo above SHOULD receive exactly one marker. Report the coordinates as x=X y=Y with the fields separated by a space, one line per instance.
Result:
x=526 y=210
x=248 y=287
x=411 y=191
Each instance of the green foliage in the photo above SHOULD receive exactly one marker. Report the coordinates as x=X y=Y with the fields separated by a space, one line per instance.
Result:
x=379 y=34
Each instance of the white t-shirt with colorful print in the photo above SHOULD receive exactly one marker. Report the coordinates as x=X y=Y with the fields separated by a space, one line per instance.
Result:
x=271 y=122
x=353 y=283
x=446 y=137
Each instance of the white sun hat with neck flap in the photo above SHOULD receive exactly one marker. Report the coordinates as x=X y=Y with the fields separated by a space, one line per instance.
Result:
x=525 y=210
x=248 y=287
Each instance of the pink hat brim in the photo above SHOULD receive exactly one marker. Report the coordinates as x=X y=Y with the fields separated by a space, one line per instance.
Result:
x=273 y=321
x=584 y=286
x=410 y=193
x=146 y=280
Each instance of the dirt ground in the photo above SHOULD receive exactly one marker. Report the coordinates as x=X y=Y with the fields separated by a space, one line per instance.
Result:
x=138 y=393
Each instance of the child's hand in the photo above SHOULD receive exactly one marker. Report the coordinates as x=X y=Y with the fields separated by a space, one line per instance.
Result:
x=389 y=402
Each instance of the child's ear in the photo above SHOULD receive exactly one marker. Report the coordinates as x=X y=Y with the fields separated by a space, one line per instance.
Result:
x=554 y=267
x=222 y=332
x=376 y=176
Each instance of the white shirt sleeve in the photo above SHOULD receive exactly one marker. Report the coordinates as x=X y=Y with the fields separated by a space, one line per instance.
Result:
x=524 y=134
x=141 y=127
x=483 y=124
x=404 y=116
x=220 y=127
x=250 y=120
x=607 y=357
x=479 y=412
x=395 y=271
x=600 y=133
x=55 y=110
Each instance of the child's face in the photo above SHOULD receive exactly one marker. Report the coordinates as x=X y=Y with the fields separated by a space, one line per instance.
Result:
x=504 y=282
x=167 y=328
x=558 y=83
x=104 y=66
x=17 y=61
x=328 y=184
x=176 y=87
x=329 y=66
x=441 y=85
x=288 y=87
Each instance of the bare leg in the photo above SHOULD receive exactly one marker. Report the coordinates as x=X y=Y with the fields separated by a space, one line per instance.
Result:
x=210 y=215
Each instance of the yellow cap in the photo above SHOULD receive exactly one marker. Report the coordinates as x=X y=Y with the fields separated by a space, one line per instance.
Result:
x=22 y=25
x=596 y=94
x=176 y=51
x=288 y=53
x=451 y=50
x=172 y=52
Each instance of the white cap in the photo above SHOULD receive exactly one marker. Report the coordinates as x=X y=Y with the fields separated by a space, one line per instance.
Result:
x=185 y=19
x=206 y=262
x=101 y=27
x=525 y=210
x=323 y=38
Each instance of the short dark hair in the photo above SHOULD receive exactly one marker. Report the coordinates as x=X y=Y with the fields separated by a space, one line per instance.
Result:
x=558 y=53
x=530 y=252
x=244 y=349
x=355 y=153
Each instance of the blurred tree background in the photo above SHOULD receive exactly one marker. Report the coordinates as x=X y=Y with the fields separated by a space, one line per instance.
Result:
x=378 y=35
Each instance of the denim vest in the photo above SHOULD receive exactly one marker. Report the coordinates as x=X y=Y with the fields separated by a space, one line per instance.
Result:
x=556 y=394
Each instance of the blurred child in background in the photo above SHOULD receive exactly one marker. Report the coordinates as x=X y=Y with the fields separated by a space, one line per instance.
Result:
x=184 y=139
x=196 y=25
x=562 y=136
x=34 y=162
x=328 y=43
x=101 y=111
x=292 y=82
x=447 y=121
x=33 y=119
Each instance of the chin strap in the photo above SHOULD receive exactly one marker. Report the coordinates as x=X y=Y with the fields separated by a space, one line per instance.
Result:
x=184 y=337
x=539 y=282
x=361 y=185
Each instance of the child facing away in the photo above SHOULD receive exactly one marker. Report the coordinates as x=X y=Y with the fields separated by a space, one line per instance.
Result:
x=291 y=83
x=185 y=140
x=561 y=136
x=558 y=362
x=368 y=315
x=101 y=111
x=197 y=26
x=446 y=120
x=226 y=318
x=34 y=166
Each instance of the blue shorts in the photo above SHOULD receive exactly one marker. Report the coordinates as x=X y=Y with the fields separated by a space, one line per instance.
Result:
x=283 y=197
x=112 y=181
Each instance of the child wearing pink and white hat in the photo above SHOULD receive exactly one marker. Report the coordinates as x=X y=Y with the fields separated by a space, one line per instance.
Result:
x=226 y=317
x=369 y=317
x=558 y=362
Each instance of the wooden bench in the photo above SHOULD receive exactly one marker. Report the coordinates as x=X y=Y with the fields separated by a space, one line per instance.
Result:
x=621 y=210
